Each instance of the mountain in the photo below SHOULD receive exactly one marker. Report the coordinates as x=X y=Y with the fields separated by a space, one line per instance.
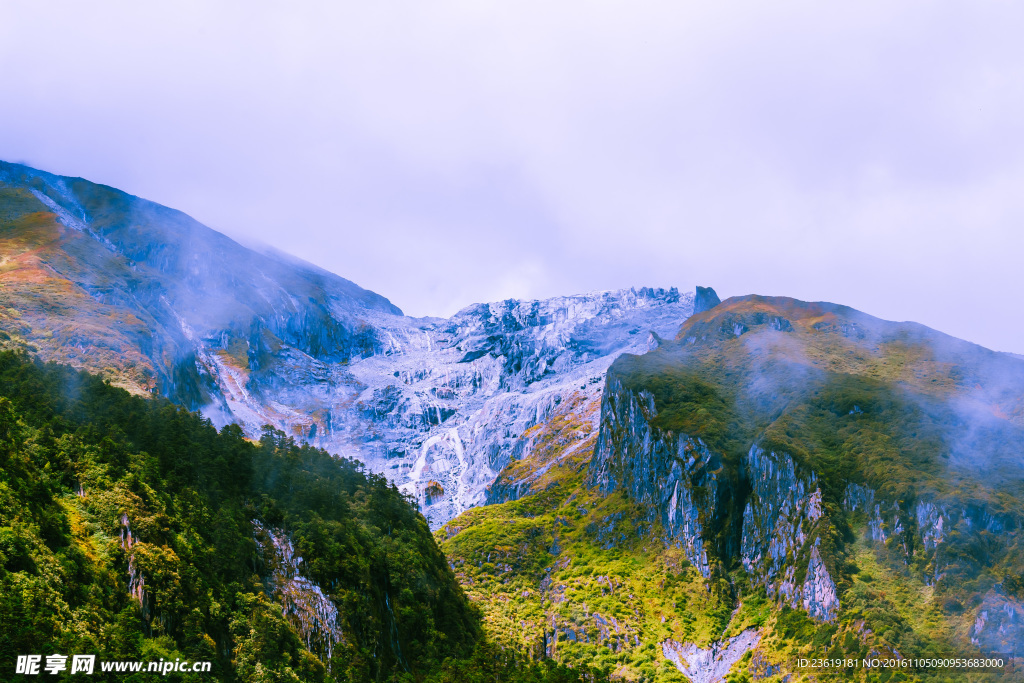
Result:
x=448 y=404
x=97 y=277
x=640 y=484
x=783 y=479
x=156 y=302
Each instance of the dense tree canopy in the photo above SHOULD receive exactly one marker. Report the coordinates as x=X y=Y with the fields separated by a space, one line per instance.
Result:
x=83 y=464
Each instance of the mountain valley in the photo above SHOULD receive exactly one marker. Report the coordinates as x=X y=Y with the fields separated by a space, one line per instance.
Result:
x=639 y=485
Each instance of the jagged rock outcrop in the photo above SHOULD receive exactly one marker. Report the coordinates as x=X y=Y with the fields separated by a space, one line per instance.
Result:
x=679 y=482
x=782 y=514
x=706 y=298
x=136 y=579
x=779 y=514
x=819 y=597
x=674 y=477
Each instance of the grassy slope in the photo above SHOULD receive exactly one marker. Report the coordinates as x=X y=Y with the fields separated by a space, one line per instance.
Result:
x=548 y=557
x=920 y=395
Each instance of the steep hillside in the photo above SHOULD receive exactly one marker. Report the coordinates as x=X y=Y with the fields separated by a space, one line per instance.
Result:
x=157 y=302
x=133 y=530
x=783 y=479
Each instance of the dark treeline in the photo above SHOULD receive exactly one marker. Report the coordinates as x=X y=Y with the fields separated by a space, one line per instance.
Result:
x=79 y=458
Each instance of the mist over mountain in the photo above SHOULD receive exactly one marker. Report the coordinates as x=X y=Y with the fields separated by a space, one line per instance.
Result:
x=159 y=303
x=658 y=484
x=150 y=280
x=783 y=479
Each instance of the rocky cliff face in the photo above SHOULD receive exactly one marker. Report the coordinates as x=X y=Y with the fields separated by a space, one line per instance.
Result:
x=684 y=486
x=672 y=476
x=447 y=404
x=783 y=523
x=302 y=601
x=744 y=436
x=705 y=299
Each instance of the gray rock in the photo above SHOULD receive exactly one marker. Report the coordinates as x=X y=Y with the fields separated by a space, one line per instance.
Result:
x=709 y=665
x=674 y=477
x=819 y=593
x=303 y=602
x=677 y=481
x=705 y=300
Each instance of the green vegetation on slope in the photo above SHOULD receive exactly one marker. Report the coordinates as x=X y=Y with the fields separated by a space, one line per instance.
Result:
x=552 y=584
x=565 y=572
x=916 y=416
x=82 y=464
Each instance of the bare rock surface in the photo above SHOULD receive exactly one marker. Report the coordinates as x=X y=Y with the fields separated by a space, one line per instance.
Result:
x=711 y=664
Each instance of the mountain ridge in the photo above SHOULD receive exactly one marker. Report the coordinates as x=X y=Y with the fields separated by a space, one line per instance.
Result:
x=101 y=280
x=64 y=193
x=122 y=265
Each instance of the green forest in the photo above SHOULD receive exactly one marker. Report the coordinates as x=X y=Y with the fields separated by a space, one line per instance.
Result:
x=85 y=466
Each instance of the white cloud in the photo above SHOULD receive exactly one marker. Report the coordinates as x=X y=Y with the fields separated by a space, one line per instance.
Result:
x=443 y=153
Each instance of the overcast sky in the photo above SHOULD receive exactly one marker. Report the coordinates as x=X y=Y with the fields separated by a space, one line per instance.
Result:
x=444 y=153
